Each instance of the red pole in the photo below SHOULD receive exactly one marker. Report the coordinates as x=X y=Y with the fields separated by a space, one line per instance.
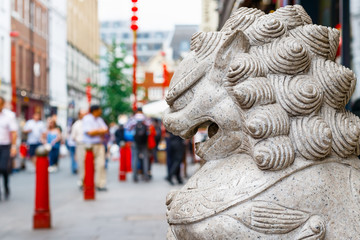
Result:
x=125 y=161
x=42 y=217
x=122 y=164
x=165 y=83
x=89 y=185
x=134 y=70
x=134 y=27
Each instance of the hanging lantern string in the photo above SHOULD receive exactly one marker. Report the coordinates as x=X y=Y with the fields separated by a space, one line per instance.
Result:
x=134 y=28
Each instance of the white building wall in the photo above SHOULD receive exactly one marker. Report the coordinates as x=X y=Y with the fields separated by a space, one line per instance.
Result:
x=5 y=49
x=79 y=69
x=57 y=59
x=355 y=45
x=209 y=15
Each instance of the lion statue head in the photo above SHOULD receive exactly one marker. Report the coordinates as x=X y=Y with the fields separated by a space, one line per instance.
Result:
x=266 y=85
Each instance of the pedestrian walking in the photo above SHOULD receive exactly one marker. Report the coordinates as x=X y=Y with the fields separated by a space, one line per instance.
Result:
x=77 y=135
x=71 y=146
x=151 y=146
x=175 y=152
x=120 y=135
x=53 y=138
x=8 y=137
x=36 y=131
x=158 y=136
x=113 y=127
x=94 y=129
x=139 y=124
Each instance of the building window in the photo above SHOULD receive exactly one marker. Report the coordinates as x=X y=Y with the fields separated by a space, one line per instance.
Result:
x=44 y=82
x=19 y=8
x=44 y=24
x=157 y=46
x=155 y=93
x=105 y=25
x=32 y=15
x=38 y=19
x=28 y=69
x=159 y=35
x=143 y=47
x=143 y=35
x=13 y=6
x=26 y=11
x=143 y=59
x=125 y=35
x=117 y=24
x=21 y=65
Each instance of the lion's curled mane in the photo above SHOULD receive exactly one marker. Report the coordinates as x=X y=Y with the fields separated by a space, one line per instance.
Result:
x=288 y=86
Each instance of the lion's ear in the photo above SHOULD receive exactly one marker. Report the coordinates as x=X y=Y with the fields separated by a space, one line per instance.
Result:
x=235 y=43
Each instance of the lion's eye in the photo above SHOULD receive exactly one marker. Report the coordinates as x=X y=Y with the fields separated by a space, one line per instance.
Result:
x=183 y=100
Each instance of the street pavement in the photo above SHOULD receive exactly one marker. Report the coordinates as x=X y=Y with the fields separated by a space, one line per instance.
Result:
x=127 y=211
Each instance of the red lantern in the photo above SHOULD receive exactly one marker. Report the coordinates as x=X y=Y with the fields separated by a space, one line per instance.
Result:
x=134 y=27
x=134 y=18
x=14 y=34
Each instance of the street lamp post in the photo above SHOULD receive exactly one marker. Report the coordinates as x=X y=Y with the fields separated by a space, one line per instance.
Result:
x=13 y=35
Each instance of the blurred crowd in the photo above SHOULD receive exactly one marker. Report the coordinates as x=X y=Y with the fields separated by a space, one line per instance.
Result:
x=140 y=136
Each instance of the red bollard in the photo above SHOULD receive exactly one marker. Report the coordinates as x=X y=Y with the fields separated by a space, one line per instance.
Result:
x=89 y=185
x=125 y=161
x=42 y=217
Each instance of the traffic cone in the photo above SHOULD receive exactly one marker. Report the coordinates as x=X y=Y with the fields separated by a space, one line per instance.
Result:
x=89 y=185
x=42 y=217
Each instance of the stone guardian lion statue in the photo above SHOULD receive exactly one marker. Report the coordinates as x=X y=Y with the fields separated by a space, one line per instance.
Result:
x=281 y=158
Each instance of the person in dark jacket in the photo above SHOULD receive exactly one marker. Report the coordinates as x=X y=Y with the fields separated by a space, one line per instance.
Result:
x=175 y=151
x=120 y=135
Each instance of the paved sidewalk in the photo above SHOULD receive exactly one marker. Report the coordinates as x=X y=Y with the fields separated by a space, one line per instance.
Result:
x=127 y=211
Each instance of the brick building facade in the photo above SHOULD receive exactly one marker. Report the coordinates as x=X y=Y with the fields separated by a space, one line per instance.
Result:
x=29 y=19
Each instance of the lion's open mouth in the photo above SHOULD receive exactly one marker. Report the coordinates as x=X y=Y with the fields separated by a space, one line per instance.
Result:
x=211 y=126
x=206 y=139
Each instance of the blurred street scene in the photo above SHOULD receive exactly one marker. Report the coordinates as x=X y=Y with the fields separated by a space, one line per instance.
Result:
x=127 y=211
x=93 y=74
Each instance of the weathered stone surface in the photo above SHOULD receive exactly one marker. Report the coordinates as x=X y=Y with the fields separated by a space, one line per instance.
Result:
x=281 y=160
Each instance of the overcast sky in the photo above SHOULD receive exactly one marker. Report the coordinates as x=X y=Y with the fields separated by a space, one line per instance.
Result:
x=153 y=14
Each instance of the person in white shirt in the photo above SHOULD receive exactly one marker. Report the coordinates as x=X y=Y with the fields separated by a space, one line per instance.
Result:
x=94 y=130
x=8 y=135
x=76 y=135
x=36 y=134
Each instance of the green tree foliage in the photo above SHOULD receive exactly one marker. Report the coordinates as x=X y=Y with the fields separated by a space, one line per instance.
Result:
x=116 y=93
